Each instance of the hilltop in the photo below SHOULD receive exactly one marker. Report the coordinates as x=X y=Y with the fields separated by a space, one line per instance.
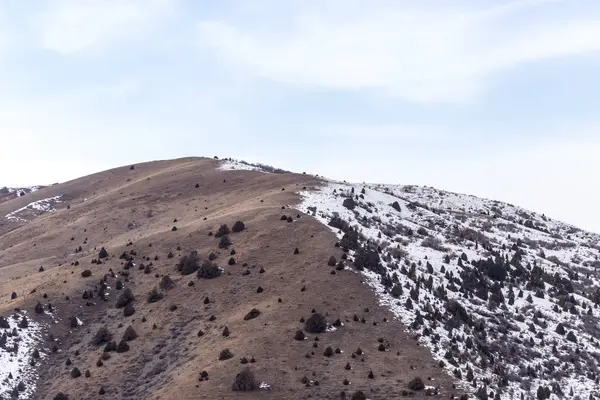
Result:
x=168 y=279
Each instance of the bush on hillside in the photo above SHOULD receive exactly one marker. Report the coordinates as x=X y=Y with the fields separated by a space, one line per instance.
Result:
x=316 y=323
x=208 y=270
x=245 y=381
x=189 y=263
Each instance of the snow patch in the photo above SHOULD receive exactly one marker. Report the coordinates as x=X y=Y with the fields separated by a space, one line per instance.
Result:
x=39 y=206
x=16 y=355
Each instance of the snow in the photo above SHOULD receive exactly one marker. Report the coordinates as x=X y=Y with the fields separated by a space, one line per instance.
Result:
x=230 y=164
x=439 y=214
x=41 y=206
x=26 y=189
x=17 y=364
x=236 y=166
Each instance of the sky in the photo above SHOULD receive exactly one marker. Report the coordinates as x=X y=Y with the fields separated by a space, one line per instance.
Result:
x=498 y=99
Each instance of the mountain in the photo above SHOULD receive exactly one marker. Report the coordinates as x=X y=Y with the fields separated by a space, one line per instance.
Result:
x=206 y=278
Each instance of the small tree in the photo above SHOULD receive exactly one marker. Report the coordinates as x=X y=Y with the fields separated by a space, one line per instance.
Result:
x=166 y=283
x=102 y=336
x=238 y=227
x=125 y=298
x=222 y=231
x=245 y=381
x=103 y=253
x=252 y=314
x=154 y=295
x=189 y=263
x=208 y=270
x=224 y=242
x=130 y=334
x=225 y=354
x=316 y=323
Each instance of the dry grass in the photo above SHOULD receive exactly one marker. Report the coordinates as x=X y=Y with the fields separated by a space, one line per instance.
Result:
x=167 y=357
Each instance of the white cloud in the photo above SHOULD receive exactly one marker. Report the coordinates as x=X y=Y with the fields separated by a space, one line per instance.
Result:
x=420 y=55
x=71 y=26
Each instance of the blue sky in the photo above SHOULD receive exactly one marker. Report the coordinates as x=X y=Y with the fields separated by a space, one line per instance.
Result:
x=497 y=99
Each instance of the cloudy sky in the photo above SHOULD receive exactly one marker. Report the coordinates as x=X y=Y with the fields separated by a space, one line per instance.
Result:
x=493 y=98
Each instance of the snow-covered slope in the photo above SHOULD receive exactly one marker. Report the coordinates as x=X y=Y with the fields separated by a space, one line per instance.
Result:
x=19 y=338
x=230 y=164
x=34 y=208
x=506 y=299
x=7 y=193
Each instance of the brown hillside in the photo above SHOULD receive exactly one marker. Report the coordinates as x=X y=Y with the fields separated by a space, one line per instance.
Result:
x=127 y=210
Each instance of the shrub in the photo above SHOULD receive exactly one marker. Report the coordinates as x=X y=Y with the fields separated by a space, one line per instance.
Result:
x=125 y=298
x=75 y=373
x=433 y=243
x=416 y=384
x=359 y=396
x=224 y=242
x=238 y=227
x=130 y=334
x=252 y=314
x=222 y=231
x=129 y=310
x=39 y=308
x=350 y=240
x=86 y=273
x=349 y=203
x=154 y=295
x=299 y=335
x=245 y=381
x=208 y=270
x=339 y=223
x=166 y=283
x=397 y=291
x=110 y=346
x=332 y=261
x=189 y=263
x=103 y=335
x=122 y=347
x=316 y=323
x=225 y=354
x=103 y=253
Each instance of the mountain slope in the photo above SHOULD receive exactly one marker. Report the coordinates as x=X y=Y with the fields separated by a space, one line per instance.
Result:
x=9 y=193
x=506 y=299
x=148 y=217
